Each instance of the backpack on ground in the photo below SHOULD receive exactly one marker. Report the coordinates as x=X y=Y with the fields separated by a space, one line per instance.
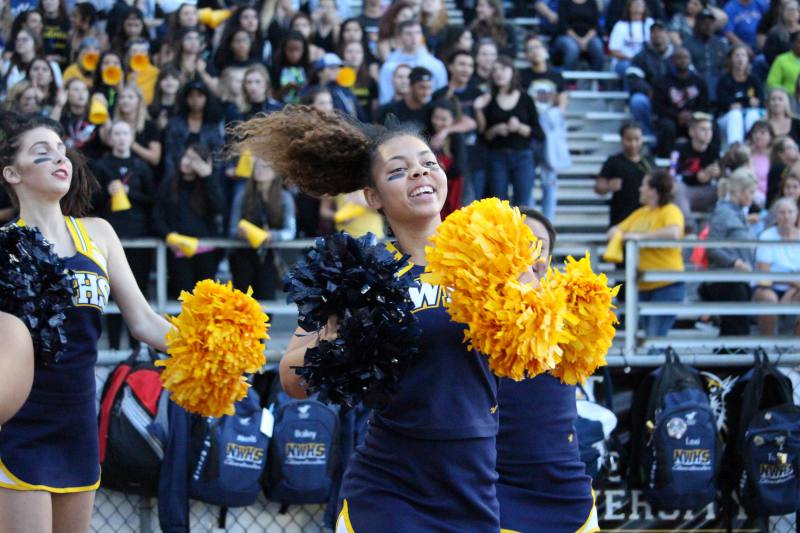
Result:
x=763 y=455
x=676 y=449
x=304 y=450
x=229 y=455
x=133 y=426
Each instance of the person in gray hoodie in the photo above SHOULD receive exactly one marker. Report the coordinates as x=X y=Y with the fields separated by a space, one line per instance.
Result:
x=729 y=222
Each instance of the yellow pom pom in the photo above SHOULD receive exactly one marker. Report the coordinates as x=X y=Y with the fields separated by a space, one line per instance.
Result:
x=478 y=247
x=216 y=339
x=590 y=319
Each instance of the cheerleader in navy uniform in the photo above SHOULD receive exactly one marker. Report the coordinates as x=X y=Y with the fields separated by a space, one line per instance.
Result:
x=49 y=466
x=542 y=485
x=428 y=460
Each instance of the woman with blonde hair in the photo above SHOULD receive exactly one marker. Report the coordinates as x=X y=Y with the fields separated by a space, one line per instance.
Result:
x=780 y=114
x=729 y=223
x=131 y=108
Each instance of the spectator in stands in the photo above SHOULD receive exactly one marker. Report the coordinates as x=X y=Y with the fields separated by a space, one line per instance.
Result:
x=682 y=23
x=24 y=98
x=122 y=170
x=649 y=65
x=40 y=74
x=235 y=50
x=365 y=87
x=413 y=53
x=782 y=158
x=326 y=71
x=27 y=47
x=485 y=57
x=708 y=51
x=780 y=116
x=658 y=218
x=147 y=139
x=698 y=165
x=790 y=187
x=456 y=38
x=546 y=87
x=743 y=19
x=629 y=35
x=451 y=153
x=617 y=8
x=290 y=68
x=508 y=121
x=320 y=98
x=79 y=133
x=676 y=96
x=759 y=139
x=785 y=69
x=82 y=18
x=414 y=107
x=194 y=123
x=55 y=30
x=165 y=98
x=578 y=34
x=778 y=259
x=188 y=202
x=779 y=37
x=90 y=45
x=728 y=223
x=301 y=23
x=246 y=18
x=547 y=10
x=389 y=30
x=400 y=83
x=490 y=23
x=256 y=95
x=265 y=203
x=622 y=174
x=326 y=23
x=461 y=84
x=740 y=97
x=107 y=92
x=189 y=58
x=370 y=20
x=133 y=27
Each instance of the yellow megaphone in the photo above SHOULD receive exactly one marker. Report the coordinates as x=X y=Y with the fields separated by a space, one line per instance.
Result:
x=112 y=75
x=213 y=17
x=244 y=168
x=120 y=201
x=98 y=111
x=254 y=234
x=346 y=77
x=139 y=62
x=186 y=244
x=348 y=212
x=89 y=60
x=614 y=249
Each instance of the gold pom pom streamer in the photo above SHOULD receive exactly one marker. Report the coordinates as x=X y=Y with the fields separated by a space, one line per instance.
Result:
x=590 y=319
x=217 y=337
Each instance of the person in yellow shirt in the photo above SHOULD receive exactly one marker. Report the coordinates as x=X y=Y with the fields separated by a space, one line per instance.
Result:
x=658 y=218
x=85 y=63
x=140 y=69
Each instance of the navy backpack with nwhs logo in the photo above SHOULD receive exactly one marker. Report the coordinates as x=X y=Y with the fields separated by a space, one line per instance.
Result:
x=304 y=450
x=678 y=448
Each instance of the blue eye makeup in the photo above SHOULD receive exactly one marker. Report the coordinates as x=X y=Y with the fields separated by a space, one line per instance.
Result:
x=40 y=160
x=396 y=174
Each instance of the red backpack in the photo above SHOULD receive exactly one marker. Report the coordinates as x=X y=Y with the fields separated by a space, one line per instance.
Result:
x=133 y=426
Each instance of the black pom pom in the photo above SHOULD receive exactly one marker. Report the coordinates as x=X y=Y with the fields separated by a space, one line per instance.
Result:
x=356 y=280
x=36 y=287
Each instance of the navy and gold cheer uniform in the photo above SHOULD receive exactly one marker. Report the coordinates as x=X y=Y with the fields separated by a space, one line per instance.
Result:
x=428 y=459
x=51 y=444
x=542 y=485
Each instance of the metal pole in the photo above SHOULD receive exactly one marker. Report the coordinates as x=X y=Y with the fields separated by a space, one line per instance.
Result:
x=631 y=297
x=145 y=514
x=161 y=277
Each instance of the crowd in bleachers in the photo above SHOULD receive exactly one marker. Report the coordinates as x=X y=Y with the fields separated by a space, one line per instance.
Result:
x=146 y=89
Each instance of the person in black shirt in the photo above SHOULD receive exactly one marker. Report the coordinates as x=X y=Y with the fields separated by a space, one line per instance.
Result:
x=55 y=30
x=622 y=174
x=675 y=96
x=413 y=108
x=147 y=139
x=121 y=171
x=508 y=120
x=698 y=166
x=740 y=97
x=578 y=32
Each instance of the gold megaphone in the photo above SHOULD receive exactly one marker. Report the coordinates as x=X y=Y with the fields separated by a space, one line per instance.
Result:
x=213 y=17
x=245 y=165
x=614 y=249
x=98 y=112
x=139 y=62
x=112 y=75
x=89 y=60
x=346 y=77
x=120 y=201
x=254 y=234
x=186 y=244
x=348 y=212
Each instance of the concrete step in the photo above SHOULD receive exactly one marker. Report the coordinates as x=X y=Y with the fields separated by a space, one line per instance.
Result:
x=597 y=95
x=566 y=194
x=584 y=170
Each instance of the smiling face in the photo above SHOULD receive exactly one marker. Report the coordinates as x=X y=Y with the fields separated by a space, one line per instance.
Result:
x=41 y=170
x=407 y=182
x=791 y=188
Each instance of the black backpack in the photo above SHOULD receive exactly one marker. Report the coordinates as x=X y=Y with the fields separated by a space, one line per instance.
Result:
x=676 y=449
x=133 y=426
x=763 y=455
x=303 y=451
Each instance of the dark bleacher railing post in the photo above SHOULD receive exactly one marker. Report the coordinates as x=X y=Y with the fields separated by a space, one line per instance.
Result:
x=631 y=296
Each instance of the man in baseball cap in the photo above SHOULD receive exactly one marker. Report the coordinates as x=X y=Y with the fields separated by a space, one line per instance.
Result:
x=413 y=108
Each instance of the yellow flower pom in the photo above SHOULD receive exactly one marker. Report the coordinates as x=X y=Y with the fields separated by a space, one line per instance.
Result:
x=217 y=337
x=478 y=247
x=590 y=319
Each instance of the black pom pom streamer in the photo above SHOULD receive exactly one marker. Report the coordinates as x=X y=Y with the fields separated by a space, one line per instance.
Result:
x=356 y=280
x=36 y=287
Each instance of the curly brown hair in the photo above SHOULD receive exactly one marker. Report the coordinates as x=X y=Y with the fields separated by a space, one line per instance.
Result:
x=322 y=153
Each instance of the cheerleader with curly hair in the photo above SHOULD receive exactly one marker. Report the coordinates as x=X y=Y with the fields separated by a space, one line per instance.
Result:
x=428 y=460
